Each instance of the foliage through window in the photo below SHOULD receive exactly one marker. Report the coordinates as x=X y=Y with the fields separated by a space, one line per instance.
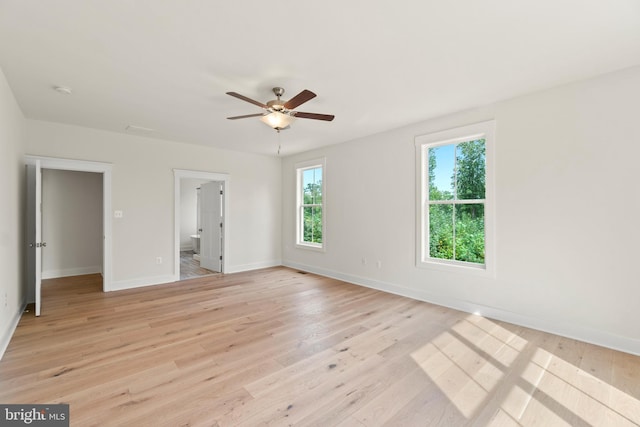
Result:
x=454 y=200
x=310 y=205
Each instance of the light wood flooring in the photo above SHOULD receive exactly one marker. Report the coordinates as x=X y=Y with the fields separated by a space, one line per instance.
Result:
x=278 y=347
x=190 y=268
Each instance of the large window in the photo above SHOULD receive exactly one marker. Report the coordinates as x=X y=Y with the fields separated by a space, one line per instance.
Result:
x=455 y=197
x=310 y=212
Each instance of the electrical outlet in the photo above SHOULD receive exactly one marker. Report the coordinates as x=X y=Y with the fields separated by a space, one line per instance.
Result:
x=379 y=264
x=159 y=260
x=364 y=261
x=117 y=214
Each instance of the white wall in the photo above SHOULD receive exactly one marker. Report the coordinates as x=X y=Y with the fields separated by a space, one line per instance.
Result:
x=142 y=187
x=567 y=213
x=12 y=185
x=188 y=210
x=71 y=223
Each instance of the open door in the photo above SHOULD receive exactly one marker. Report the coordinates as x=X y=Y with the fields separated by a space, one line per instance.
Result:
x=211 y=226
x=34 y=234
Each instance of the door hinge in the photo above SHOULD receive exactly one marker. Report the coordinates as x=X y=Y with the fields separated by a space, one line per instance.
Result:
x=220 y=225
x=220 y=257
x=221 y=192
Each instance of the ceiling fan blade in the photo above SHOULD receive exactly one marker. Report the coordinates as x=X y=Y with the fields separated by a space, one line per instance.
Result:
x=244 y=98
x=315 y=116
x=299 y=99
x=245 y=116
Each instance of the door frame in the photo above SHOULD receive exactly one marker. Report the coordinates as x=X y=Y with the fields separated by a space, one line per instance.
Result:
x=224 y=178
x=33 y=235
x=96 y=167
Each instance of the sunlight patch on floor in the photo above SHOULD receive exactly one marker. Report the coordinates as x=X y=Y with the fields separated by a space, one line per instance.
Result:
x=567 y=392
x=481 y=366
x=469 y=360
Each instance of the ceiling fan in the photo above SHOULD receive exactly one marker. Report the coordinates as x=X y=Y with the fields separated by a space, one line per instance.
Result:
x=278 y=113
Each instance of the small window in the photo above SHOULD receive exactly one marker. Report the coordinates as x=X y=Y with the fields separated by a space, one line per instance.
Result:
x=455 y=198
x=310 y=206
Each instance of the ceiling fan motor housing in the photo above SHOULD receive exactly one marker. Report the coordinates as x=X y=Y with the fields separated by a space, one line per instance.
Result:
x=277 y=104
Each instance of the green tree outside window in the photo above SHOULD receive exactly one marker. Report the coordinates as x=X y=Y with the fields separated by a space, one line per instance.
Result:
x=312 y=205
x=456 y=208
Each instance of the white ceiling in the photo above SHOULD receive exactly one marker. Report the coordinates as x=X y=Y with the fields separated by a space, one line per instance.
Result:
x=376 y=65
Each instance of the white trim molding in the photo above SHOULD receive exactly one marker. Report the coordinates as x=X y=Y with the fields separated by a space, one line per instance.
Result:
x=69 y=272
x=483 y=130
x=97 y=167
x=300 y=167
x=255 y=266
x=141 y=282
x=6 y=338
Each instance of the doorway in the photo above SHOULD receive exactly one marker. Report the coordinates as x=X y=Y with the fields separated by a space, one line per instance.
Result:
x=71 y=223
x=200 y=223
x=200 y=227
x=34 y=243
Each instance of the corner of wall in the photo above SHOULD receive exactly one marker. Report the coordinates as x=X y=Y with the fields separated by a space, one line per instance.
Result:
x=12 y=194
x=6 y=335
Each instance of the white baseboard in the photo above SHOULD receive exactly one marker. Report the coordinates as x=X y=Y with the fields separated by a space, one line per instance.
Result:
x=67 y=272
x=139 y=283
x=255 y=266
x=5 y=339
x=597 y=337
x=159 y=280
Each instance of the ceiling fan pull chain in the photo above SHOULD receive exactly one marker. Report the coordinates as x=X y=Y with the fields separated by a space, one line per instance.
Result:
x=279 y=142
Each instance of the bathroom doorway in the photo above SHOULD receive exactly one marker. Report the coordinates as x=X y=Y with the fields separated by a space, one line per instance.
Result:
x=200 y=239
x=200 y=216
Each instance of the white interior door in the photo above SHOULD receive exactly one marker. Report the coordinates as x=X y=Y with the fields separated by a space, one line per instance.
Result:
x=211 y=226
x=34 y=234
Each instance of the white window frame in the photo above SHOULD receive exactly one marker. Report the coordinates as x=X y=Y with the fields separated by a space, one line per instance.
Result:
x=300 y=168
x=483 y=130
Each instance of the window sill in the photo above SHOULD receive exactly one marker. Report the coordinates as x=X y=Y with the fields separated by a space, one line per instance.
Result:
x=310 y=247
x=453 y=267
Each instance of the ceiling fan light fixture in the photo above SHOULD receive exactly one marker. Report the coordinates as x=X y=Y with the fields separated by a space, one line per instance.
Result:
x=279 y=114
x=277 y=120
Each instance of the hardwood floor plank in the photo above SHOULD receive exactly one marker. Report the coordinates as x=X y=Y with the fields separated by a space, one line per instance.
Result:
x=356 y=392
x=278 y=347
x=430 y=407
x=389 y=401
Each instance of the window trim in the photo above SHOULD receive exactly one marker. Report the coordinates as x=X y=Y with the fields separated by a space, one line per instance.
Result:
x=475 y=131
x=300 y=168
